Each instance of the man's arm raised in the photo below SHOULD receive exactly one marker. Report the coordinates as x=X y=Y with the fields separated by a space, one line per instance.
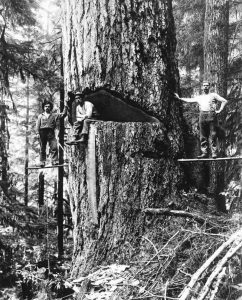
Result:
x=189 y=100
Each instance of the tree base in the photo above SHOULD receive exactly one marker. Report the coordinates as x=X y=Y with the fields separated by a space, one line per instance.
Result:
x=135 y=168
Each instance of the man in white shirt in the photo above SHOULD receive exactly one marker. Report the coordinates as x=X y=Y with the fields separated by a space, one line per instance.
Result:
x=84 y=111
x=207 y=119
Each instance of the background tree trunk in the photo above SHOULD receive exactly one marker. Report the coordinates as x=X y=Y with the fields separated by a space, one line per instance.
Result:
x=216 y=44
x=4 y=135
x=209 y=177
x=61 y=172
x=215 y=71
x=127 y=48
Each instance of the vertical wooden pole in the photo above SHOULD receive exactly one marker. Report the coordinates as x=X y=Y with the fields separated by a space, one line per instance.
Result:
x=61 y=171
x=41 y=188
x=3 y=130
x=26 y=183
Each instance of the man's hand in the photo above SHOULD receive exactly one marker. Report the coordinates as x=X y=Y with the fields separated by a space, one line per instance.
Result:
x=176 y=96
x=218 y=111
x=80 y=119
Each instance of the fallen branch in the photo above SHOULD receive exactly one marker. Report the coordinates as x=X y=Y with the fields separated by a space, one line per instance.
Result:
x=205 y=233
x=219 y=267
x=157 y=252
x=179 y=213
x=219 y=279
x=187 y=290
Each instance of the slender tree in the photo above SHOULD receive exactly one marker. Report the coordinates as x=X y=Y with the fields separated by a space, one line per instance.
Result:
x=26 y=185
x=13 y=57
x=61 y=170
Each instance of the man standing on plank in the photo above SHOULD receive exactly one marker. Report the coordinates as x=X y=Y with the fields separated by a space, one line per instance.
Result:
x=45 y=128
x=207 y=118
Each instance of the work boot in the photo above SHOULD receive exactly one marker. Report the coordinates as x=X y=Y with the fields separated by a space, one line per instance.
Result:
x=82 y=139
x=214 y=155
x=42 y=164
x=203 y=155
x=55 y=163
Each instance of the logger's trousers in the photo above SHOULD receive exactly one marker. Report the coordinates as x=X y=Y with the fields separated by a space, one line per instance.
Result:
x=81 y=127
x=47 y=135
x=208 y=127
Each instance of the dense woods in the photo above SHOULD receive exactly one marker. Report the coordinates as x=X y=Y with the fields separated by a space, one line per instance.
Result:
x=123 y=218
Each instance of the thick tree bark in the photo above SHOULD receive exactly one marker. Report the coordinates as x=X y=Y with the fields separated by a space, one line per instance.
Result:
x=132 y=173
x=4 y=144
x=215 y=70
x=125 y=48
x=216 y=44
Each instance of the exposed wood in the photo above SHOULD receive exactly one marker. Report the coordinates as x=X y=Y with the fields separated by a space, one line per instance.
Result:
x=209 y=159
x=91 y=174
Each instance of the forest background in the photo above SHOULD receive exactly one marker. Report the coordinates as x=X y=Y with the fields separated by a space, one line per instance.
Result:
x=31 y=72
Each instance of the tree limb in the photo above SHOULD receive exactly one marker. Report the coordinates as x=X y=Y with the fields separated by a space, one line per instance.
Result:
x=179 y=213
x=220 y=265
x=187 y=290
x=219 y=279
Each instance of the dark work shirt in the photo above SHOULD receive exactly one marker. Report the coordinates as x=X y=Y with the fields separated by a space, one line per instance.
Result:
x=49 y=122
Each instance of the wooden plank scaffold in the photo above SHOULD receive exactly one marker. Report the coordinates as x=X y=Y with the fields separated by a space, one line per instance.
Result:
x=46 y=167
x=210 y=159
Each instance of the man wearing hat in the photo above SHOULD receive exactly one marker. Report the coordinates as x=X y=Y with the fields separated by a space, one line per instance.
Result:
x=84 y=112
x=208 y=118
x=45 y=128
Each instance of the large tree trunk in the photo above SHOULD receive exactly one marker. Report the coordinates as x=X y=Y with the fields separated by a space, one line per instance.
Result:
x=123 y=52
x=216 y=44
x=215 y=71
x=127 y=47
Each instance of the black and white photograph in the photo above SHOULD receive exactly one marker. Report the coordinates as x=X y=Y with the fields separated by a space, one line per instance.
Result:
x=120 y=150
